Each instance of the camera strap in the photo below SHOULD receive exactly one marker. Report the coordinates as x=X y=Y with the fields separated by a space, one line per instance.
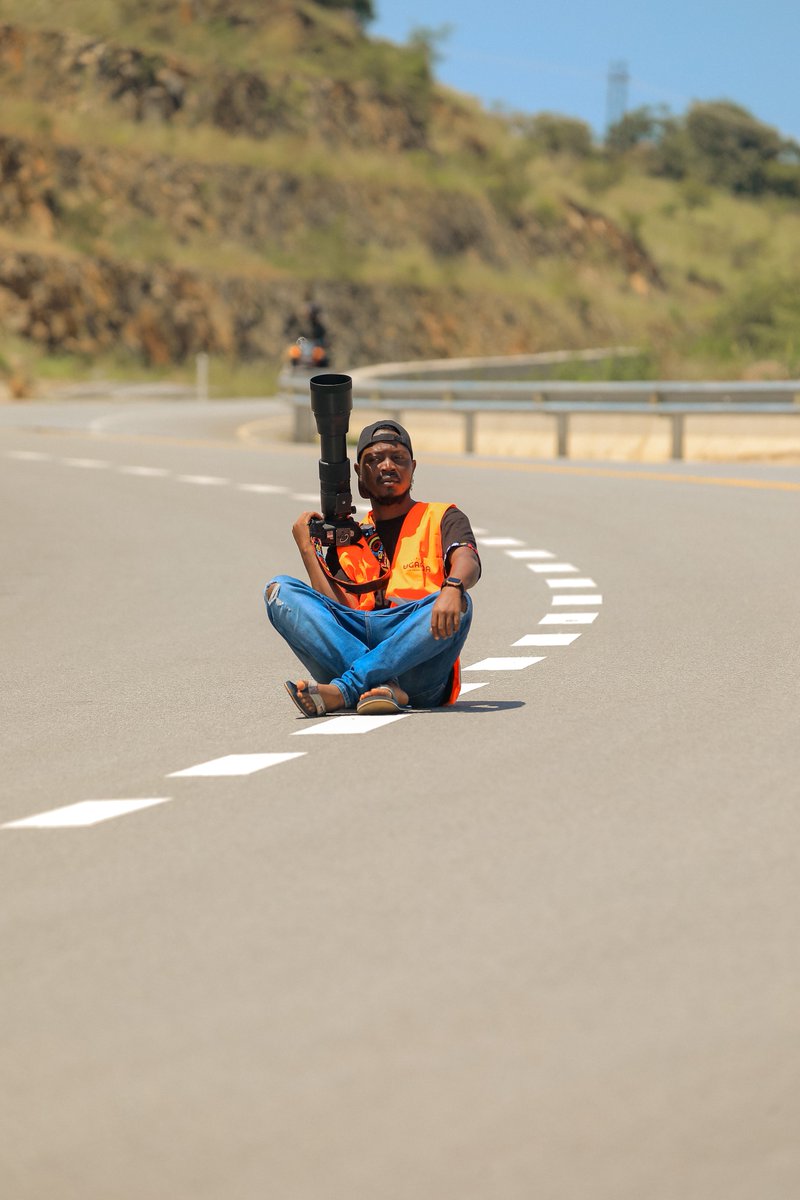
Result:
x=363 y=566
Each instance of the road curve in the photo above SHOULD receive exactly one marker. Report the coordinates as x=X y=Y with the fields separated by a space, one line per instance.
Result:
x=541 y=944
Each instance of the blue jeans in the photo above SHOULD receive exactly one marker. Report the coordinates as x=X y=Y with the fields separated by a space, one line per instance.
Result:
x=357 y=650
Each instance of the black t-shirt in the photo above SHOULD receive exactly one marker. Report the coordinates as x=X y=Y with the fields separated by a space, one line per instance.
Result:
x=456 y=531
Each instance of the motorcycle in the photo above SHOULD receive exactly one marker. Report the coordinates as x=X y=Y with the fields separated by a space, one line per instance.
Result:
x=307 y=355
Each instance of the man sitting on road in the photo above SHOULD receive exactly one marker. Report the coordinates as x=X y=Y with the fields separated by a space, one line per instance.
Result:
x=382 y=651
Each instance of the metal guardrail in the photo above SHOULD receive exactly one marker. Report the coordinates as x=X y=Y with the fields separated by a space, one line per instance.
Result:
x=561 y=399
x=504 y=366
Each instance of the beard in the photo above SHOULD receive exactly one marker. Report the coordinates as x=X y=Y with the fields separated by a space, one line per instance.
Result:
x=385 y=501
x=391 y=501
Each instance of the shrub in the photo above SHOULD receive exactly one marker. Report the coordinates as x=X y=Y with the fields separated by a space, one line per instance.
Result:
x=554 y=134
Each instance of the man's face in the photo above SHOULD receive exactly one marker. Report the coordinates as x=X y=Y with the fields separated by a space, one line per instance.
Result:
x=385 y=471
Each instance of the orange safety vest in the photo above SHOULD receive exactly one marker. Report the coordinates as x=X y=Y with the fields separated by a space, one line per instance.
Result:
x=417 y=568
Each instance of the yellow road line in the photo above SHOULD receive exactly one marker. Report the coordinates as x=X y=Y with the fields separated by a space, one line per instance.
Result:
x=615 y=473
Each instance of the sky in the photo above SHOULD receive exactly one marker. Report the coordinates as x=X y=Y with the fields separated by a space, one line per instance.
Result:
x=556 y=55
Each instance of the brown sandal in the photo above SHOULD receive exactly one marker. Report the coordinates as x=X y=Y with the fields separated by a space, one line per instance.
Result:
x=384 y=703
x=309 y=692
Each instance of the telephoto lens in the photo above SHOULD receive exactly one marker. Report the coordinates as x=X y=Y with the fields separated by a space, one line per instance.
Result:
x=332 y=403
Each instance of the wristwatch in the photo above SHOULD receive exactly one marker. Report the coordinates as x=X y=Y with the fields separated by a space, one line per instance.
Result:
x=453 y=581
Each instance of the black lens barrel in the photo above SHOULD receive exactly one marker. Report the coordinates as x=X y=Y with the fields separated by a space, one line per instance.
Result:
x=332 y=403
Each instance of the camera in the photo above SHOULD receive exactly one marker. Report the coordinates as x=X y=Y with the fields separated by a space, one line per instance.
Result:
x=332 y=403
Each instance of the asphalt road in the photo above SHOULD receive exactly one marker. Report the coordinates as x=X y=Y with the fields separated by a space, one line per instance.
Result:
x=543 y=944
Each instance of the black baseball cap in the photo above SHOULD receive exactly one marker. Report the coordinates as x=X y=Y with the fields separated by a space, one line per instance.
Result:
x=383 y=431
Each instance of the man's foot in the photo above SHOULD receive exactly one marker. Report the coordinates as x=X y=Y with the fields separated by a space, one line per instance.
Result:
x=314 y=699
x=388 y=698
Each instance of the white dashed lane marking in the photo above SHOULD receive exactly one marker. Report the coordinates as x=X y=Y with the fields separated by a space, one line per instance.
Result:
x=499 y=541
x=530 y=554
x=551 y=568
x=234 y=764
x=144 y=472
x=266 y=489
x=569 y=618
x=85 y=812
x=349 y=724
x=503 y=664
x=547 y=639
x=563 y=600
x=570 y=583
x=558 y=576
x=203 y=480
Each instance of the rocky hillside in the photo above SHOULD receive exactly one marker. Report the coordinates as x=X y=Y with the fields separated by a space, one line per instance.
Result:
x=87 y=303
x=181 y=181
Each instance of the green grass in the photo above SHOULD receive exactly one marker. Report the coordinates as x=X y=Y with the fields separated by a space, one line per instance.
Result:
x=45 y=372
x=325 y=41
x=206 y=145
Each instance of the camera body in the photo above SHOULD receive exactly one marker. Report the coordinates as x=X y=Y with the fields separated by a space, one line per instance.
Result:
x=332 y=403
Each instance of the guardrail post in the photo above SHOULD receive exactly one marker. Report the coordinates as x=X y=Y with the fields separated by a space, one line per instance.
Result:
x=677 y=435
x=201 y=375
x=303 y=421
x=562 y=435
x=469 y=432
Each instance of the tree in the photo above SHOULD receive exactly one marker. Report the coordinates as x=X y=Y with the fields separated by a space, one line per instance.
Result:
x=557 y=134
x=731 y=147
x=363 y=9
x=633 y=128
x=640 y=125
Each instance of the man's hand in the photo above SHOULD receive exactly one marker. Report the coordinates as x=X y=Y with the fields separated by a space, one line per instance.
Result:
x=446 y=612
x=300 y=531
x=318 y=578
